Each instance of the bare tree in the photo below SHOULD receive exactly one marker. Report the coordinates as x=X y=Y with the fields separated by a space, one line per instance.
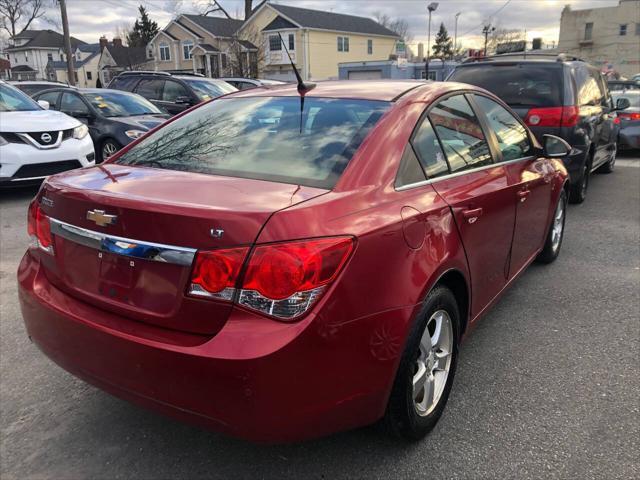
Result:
x=399 y=25
x=243 y=60
x=17 y=15
x=209 y=7
x=248 y=7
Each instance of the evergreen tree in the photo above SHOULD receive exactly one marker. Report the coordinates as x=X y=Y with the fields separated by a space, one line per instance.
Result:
x=443 y=48
x=143 y=30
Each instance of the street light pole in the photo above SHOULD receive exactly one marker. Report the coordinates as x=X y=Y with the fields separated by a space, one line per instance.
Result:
x=431 y=7
x=455 y=34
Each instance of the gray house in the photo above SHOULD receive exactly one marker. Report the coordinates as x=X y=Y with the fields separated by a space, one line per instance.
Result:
x=395 y=69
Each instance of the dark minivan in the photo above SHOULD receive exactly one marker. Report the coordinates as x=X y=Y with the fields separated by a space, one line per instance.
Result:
x=555 y=95
x=172 y=93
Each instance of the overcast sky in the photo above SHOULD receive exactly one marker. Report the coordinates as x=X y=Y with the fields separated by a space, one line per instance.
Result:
x=89 y=19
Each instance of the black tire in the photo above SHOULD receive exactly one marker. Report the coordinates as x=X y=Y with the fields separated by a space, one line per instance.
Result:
x=108 y=143
x=611 y=164
x=401 y=417
x=551 y=249
x=579 y=189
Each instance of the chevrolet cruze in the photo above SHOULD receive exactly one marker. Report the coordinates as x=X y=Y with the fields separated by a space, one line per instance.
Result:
x=283 y=263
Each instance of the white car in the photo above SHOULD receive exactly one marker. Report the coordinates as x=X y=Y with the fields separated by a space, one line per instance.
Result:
x=36 y=142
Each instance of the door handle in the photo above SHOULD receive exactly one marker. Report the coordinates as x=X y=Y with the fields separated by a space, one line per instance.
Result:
x=523 y=194
x=472 y=215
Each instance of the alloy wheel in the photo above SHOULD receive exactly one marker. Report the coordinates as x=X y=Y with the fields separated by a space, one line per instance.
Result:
x=433 y=363
x=558 y=225
x=108 y=149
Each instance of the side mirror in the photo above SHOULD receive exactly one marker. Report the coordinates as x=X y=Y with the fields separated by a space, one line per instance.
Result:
x=554 y=147
x=622 y=104
x=44 y=104
x=184 y=100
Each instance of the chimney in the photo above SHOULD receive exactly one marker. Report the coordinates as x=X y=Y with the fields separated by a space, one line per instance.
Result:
x=421 y=52
x=103 y=42
x=117 y=42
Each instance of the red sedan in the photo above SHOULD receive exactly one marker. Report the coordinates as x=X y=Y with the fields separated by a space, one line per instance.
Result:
x=281 y=266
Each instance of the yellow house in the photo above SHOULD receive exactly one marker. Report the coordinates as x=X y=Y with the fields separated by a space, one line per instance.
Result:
x=317 y=41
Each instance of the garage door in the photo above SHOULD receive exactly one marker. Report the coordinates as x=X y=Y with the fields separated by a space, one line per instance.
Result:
x=365 y=75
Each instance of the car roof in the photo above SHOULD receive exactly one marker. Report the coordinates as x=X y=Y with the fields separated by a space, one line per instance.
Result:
x=36 y=82
x=385 y=90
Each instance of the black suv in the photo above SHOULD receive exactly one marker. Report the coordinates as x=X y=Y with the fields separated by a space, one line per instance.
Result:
x=557 y=95
x=172 y=93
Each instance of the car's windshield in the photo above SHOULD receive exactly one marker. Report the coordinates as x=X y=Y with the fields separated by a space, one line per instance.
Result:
x=518 y=85
x=118 y=104
x=13 y=100
x=266 y=138
x=206 y=89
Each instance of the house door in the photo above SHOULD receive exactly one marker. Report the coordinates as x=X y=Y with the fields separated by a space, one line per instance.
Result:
x=215 y=70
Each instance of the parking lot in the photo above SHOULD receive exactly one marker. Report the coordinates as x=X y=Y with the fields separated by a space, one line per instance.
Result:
x=548 y=385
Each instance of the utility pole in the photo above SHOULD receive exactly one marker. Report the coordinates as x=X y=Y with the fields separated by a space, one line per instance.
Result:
x=486 y=30
x=431 y=7
x=455 y=34
x=71 y=80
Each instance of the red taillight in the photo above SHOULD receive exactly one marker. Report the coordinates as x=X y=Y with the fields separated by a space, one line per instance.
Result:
x=39 y=227
x=629 y=115
x=553 y=117
x=215 y=272
x=281 y=280
x=284 y=280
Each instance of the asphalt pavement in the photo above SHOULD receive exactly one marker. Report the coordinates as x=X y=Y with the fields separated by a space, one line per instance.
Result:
x=548 y=385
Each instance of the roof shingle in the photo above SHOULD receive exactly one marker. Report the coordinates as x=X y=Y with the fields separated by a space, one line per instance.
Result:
x=44 y=39
x=220 y=27
x=332 y=21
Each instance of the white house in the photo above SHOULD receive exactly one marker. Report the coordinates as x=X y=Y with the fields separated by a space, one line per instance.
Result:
x=31 y=50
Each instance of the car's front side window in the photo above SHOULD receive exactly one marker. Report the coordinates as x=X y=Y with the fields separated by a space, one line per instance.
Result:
x=52 y=98
x=512 y=137
x=460 y=134
x=13 y=100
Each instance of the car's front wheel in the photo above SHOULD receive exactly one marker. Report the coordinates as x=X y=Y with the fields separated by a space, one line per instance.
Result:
x=425 y=375
x=108 y=148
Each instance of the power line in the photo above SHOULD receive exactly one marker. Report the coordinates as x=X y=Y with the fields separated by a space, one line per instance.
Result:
x=492 y=15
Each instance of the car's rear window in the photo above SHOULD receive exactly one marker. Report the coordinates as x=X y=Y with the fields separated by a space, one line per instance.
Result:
x=524 y=84
x=279 y=139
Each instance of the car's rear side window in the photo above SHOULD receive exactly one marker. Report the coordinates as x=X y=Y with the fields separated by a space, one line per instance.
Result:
x=124 y=83
x=525 y=84
x=281 y=139
x=428 y=149
x=460 y=134
x=150 y=88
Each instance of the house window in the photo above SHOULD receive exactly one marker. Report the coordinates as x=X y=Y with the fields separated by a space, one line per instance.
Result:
x=637 y=28
x=588 y=31
x=224 y=60
x=186 y=49
x=61 y=57
x=165 y=52
x=89 y=76
x=370 y=47
x=292 y=41
x=50 y=57
x=274 y=43
x=343 y=44
x=432 y=75
x=75 y=76
x=26 y=57
x=623 y=29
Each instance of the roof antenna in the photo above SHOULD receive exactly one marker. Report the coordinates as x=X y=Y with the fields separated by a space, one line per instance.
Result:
x=303 y=88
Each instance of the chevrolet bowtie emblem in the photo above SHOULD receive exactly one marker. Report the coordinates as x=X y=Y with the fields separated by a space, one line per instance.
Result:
x=100 y=218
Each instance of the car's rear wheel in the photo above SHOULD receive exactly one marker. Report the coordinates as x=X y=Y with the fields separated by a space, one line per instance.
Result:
x=108 y=148
x=610 y=165
x=425 y=375
x=552 y=245
x=579 y=189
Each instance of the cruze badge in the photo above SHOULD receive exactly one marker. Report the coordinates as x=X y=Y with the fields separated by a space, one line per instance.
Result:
x=45 y=137
x=101 y=218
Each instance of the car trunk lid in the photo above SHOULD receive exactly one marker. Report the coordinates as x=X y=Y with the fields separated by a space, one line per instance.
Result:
x=125 y=237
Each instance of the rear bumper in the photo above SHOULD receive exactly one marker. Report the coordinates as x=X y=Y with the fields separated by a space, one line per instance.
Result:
x=629 y=137
x=256 y=379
